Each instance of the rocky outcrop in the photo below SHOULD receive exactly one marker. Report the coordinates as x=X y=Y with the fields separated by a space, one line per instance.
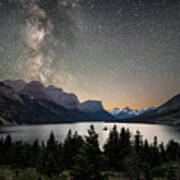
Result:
x=17 y=85
x=92 y=106
x=68 y=100
x=34 y=89
x=37 y=90
x=9 y=93
x=95 y=108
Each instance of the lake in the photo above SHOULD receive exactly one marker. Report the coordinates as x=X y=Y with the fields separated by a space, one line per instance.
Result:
x=29 y=133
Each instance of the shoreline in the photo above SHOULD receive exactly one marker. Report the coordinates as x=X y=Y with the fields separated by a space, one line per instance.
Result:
x=89 y=121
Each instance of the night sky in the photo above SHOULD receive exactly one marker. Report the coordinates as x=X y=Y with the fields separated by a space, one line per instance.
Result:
x=122 y=52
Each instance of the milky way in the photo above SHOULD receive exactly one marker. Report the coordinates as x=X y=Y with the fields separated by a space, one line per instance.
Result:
x=123 y=52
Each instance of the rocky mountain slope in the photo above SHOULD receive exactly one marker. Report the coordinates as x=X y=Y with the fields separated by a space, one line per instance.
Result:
x=167 y=113
x=92 y=106
x=37 y=90
x=96 y=107
x=33 y=103
x=68 y=100
x=16 y=85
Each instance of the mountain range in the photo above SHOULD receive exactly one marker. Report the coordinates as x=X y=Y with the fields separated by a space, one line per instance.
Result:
x=33 y=103
x=167 y=113
x=128 y=112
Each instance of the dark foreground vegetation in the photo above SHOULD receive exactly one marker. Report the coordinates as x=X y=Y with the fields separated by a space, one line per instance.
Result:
x=80 y=158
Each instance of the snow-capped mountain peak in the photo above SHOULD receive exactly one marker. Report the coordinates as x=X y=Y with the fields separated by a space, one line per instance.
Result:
x=115 y=111
x=128 y=112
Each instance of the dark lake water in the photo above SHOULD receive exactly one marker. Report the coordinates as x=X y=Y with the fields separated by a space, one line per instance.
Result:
x=41 y=132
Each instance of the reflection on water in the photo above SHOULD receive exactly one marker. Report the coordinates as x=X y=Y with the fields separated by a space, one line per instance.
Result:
x=41 y=132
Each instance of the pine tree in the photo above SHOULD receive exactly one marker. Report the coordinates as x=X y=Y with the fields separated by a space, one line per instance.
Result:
x=35 y=152
x=173 y=150
x=111 y=148
x=7 y=150
x=133 y=169
x=93 y=152
x=163 y=155
x=88 y=161
x=155 y=154
x=124 y=146
x=49 y=160
x=71 y=146
x=145 y=160
x=138 y=141
x=81 y=169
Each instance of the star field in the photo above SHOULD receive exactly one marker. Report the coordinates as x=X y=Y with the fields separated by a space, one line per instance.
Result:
x=123 y=52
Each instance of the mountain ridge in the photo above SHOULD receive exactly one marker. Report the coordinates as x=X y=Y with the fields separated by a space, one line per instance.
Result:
x=32 y=104
x=128 y=112
x=168 y=113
